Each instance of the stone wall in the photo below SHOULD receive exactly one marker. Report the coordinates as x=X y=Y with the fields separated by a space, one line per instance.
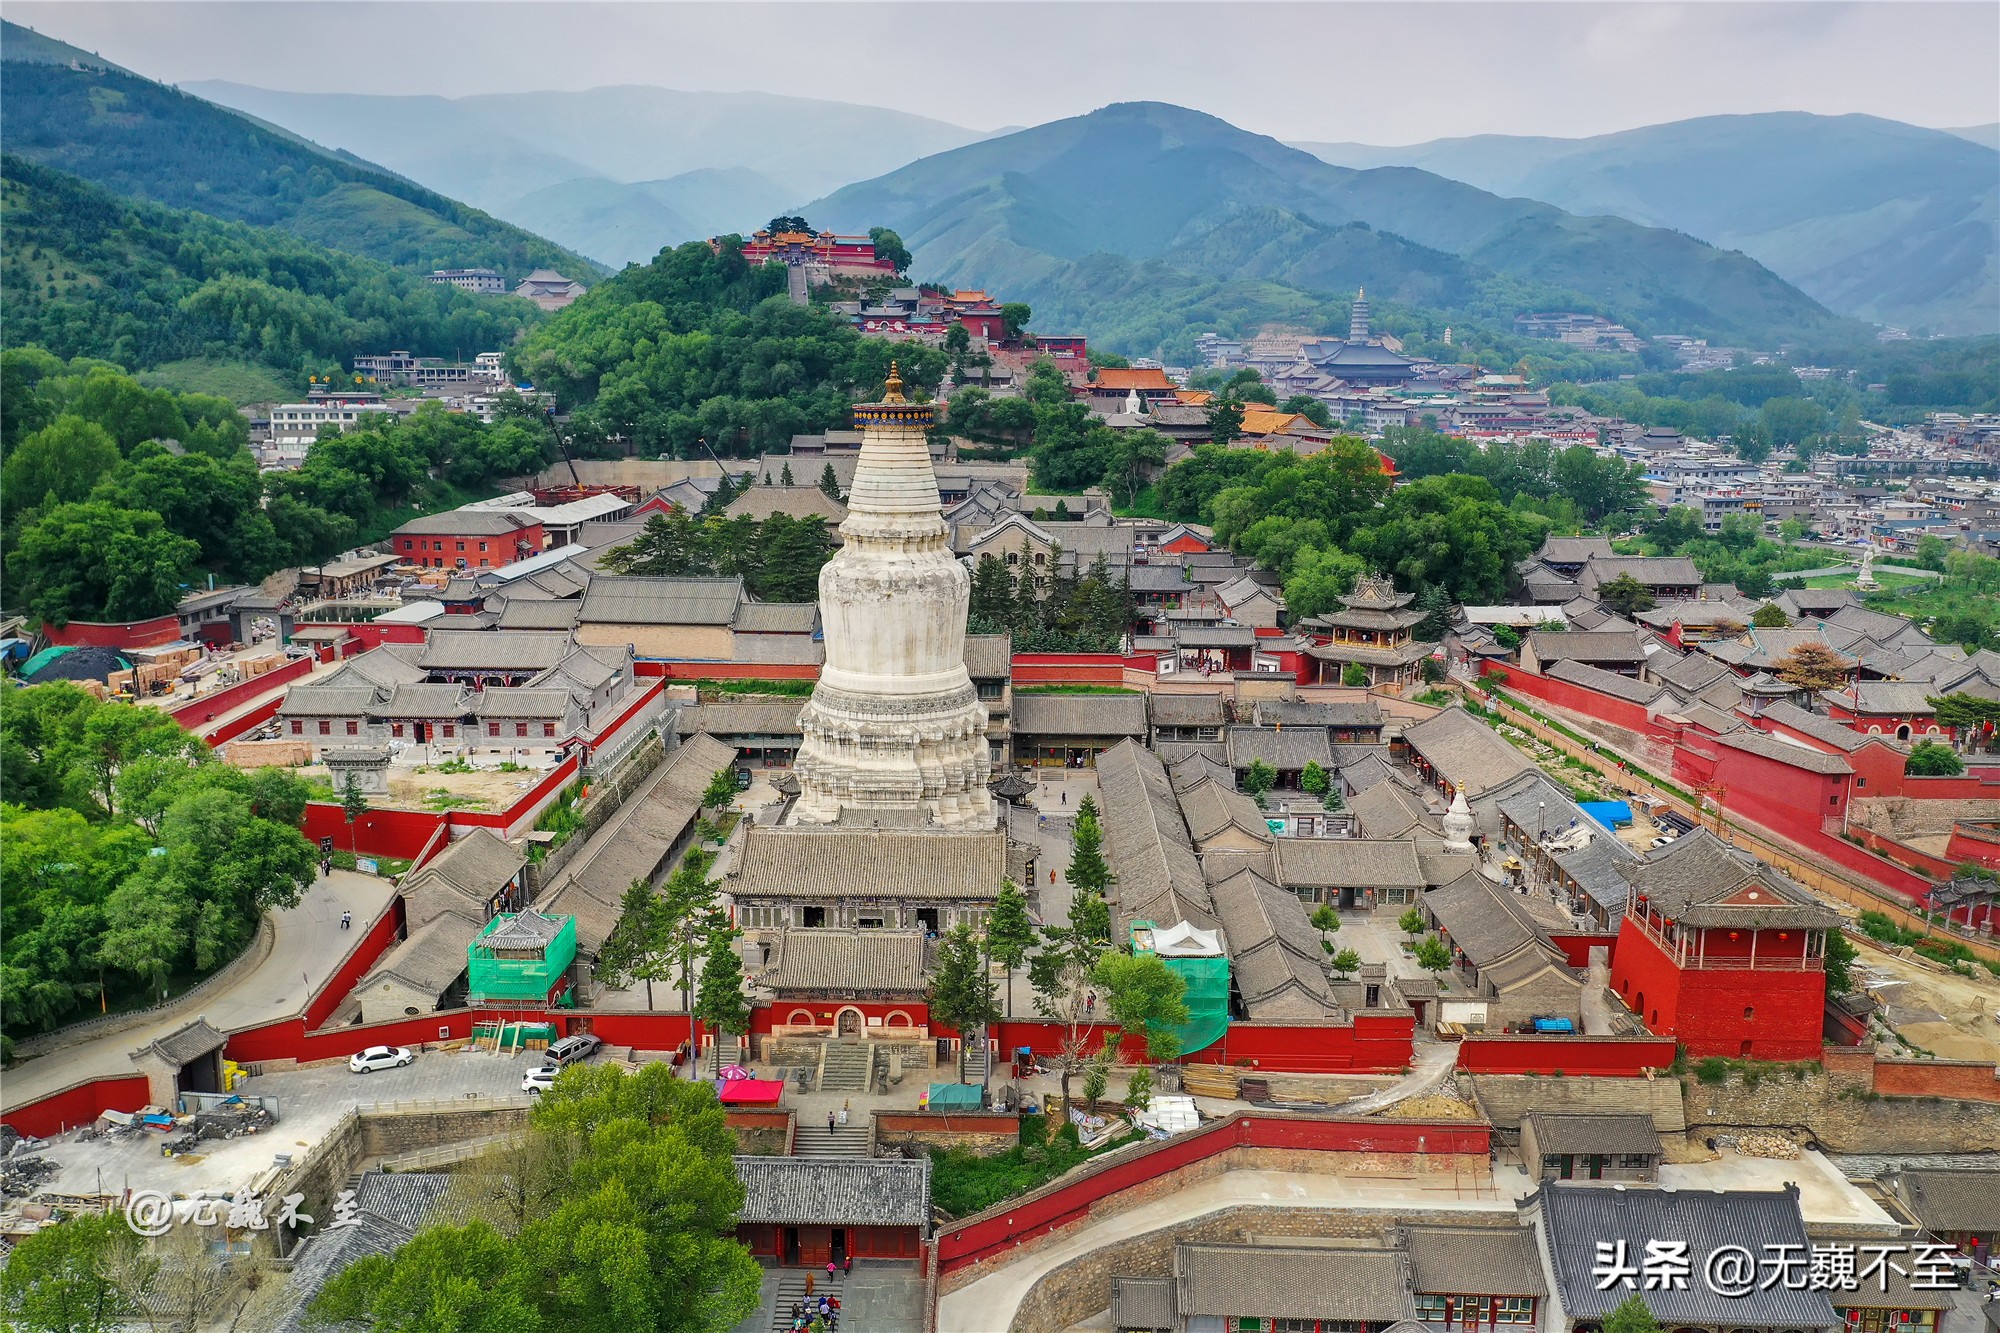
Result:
x=1081 y=1288
x=387 y=1133
x=1842 y=1113
x=984 y=1133
x=608 y=792
x=1903 y=817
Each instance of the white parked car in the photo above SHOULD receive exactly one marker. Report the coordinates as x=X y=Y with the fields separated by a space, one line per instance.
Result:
x=381 y=1057
x=538 y=1081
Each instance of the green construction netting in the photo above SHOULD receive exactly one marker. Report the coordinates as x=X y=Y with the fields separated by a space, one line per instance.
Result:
x=518 y=974
x=954 y=1097
x=1207 y=1001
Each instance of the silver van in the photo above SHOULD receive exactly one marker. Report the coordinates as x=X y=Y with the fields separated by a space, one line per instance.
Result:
x=571 y=1049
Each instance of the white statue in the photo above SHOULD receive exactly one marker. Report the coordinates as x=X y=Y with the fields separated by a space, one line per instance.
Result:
x=1865 y=580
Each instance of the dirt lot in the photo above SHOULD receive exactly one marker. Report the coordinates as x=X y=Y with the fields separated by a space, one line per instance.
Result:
x=413 y=787
x=1933 y=1009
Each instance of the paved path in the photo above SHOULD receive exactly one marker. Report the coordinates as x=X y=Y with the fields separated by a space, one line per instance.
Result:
x=1430 y=1067
x=309 y=947
x=1596 y=1012
x=991 y=1301
x=1907 y=571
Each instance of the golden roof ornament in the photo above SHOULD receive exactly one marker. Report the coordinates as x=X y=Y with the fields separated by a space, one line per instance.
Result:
x=893 y=390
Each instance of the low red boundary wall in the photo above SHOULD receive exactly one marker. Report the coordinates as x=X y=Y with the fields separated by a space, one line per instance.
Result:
x=1576 y=946
x=243 y=723
x=79 y=1105
x=1007 y=1225
x=1068 y=669
x=127 y=634
x=290 y=1040
x=211 y=706
x=398 y=833
x=1616 y=1057
x=380 y=938
x=1372 y=1043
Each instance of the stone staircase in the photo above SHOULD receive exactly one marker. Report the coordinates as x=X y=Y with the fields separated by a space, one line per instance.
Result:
x=727 y=1050
x=847 y=1066
x=791 y=1287
x=972 y=1062
x=814 y=1139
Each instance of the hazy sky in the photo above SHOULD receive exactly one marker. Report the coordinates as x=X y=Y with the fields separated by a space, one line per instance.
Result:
x=1373 y=72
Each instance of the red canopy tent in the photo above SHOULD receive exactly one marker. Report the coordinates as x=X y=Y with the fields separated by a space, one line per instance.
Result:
x=749 y=1091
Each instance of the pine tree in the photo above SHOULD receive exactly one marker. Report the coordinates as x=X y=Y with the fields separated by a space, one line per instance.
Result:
x=1435 y=602
x=961 y=994
x=1088 y=871
x=828 y=482
x=721 y=1003
x=785 y=475
x=1009 y=932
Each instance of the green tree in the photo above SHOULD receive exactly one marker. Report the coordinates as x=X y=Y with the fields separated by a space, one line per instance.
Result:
x=720 y=1001
x=1674 y=530
x=463 y=1278
x=961 y=994
x=1312 y=409
x=1134 y=455
x=353 y=804
x=1319 y=578
x=1354 y=675
x=1433 y=955
x=828 y=482
x=889 y=246
x=1313 y=779
x=644 y=943
x=58 y=464
x=1146 y=999
x=1327 y=922
x=1928 y=759
x=720 y=791
x=1014 y=317
x=65 y=1278
x=1060 y=974
x=1258 y=779
x=1770 y=616
x=1839 y=963
x=1096 y=1078
x=1631 y=1316
x=1932 y=552
x=1970 y=718
x=1139 y=1090
x=1345 y=963
x=1625 y=596
x=1411 y=922
x=1813 y=666
x=1010 y=934
x=97 y=561
x=1089 y=872
x=632 y=1224
x=1225 y=421
x=1436 y=605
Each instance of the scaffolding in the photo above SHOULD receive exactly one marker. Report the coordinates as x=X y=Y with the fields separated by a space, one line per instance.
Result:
x=1197 y=958
x=520 y=957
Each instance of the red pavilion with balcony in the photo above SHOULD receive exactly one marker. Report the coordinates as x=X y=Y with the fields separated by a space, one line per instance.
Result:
x=1723 y=953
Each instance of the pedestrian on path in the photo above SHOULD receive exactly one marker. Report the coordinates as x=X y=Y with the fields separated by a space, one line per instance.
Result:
x=1065 y=796
x=830 y=1121
x=346 y=920
x=847 y=1265
x=809 y=1282
x=829 y=1270
x=843 y=1111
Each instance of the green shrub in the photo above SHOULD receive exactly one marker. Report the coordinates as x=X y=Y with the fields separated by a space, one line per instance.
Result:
x=1712 y=1070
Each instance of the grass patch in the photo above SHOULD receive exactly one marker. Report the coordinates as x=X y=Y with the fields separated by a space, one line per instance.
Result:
x=963 y=1183
x=1884 y=929
x=1146 y=504
x=1074 y=689
x=240 y=382
x=788 y=689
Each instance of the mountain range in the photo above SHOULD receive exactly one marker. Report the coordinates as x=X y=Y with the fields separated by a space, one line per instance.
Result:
x=1064 y=215
x=131 y=136
x=615 y=173
x=1875 y=218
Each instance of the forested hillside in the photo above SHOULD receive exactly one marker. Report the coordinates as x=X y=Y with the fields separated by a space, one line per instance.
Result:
x=88 y=274
x=699 y=351
x=135 y=137
x=1207 y=226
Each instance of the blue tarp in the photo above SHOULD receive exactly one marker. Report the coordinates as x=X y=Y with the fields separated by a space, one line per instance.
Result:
x=1611 y=814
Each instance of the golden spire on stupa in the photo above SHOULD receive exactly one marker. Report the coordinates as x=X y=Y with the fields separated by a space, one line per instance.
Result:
x=893 y=390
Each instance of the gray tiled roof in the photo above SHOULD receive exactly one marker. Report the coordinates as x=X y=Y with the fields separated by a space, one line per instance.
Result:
x=778 y=718
x=1143 y=1303
x=1188 y=710
x=1655 y=571
x=190 y=1042
x=631 y=600
x=989 y=656
x=406 y=1198
x=846 y=960
x=1560 y=1133
x=1488 y=923
x=1477 y=1261
x=1389 y=809
x=1694 y=671
x=431 y=958
x=1902 y=698
x=795 y=501
x=1291 y=1282
x=477 y=866
x=1601 y=645
x=1465 y=751
x=1197 y=764
x=1691 y=879
x=1362 y=713
x=836 y=1191
x=1348 y=863
x=1578 y=1218
x=525 y=702
x=519 y=613
x=523 y=930
x=1784 y=751
x=491 y=650
x=1088 y=715
x=1210 y=808
x=1607 y=682
x=889 y=863
x=1147 y=843
x=1274 y=956
x=1960 y=1199
x=1289 y=748
x=1818 y=726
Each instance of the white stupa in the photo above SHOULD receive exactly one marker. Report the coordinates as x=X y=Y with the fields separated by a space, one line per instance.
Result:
x=1458 y=824
x=1134 y=405
x=894 y=724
